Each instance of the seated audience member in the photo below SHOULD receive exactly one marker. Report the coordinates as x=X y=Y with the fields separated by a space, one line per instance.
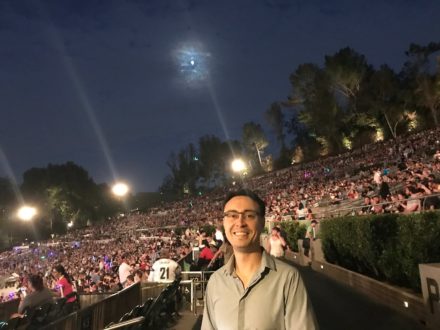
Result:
x=205 y=255
x=38 y=295
x=139 y=276
x=367 y=206
x=129 y=281
x=413 y=203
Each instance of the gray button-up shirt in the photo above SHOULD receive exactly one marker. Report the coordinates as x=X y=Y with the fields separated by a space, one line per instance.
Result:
x=275 y=299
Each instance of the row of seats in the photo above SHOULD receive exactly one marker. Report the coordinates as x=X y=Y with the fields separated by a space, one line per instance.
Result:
x=153 y=314
x=38 y=317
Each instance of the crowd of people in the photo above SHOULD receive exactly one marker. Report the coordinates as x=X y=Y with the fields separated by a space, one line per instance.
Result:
x=401 y=175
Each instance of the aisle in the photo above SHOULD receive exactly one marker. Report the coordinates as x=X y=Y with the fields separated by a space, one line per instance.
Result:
x=340 y=307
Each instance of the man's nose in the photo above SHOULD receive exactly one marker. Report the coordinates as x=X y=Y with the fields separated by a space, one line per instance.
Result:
x=240 y=220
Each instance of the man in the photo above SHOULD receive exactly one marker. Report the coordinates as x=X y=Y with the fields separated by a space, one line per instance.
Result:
x=219 y=234
x=237 y=293
x=38 y=295
x=310 y=236
x=124 y=270
x=164 y=269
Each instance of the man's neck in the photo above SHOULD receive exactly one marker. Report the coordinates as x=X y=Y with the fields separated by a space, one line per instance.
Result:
x=246 y=264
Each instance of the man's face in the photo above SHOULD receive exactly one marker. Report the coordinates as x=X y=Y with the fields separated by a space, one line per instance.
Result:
x=243 y=231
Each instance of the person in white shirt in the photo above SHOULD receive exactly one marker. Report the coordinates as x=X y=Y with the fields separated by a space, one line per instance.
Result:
x=124 y=270
x=276 y=243
x=164 y=269
x=219 y=234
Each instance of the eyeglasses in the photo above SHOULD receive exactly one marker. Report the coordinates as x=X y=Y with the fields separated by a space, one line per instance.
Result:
x=247 y=215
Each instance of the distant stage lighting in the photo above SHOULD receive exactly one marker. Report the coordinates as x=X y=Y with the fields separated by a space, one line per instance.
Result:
x=238 y=165
x=26 y=213
x=120 y=189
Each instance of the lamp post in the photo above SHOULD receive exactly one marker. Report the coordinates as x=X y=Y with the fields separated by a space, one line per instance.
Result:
x=120 y=190
x=26 y=213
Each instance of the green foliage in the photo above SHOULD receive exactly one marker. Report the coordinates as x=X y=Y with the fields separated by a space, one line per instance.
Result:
x=65 y=193
x=7 y=196
x=318 y=109
x=387 y=247
x=201 y=167
x=294 y=231
x=347 y=69
x=254 y=141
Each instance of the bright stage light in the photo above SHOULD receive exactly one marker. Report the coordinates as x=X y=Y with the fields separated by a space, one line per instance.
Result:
x=238 y=165
x=26 y=213
x=120 y=189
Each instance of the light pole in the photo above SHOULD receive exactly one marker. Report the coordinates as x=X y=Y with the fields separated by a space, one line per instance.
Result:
x=26 y=213
x=120 y=190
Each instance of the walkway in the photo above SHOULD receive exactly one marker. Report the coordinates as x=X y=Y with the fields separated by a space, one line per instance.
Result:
x=338 y=307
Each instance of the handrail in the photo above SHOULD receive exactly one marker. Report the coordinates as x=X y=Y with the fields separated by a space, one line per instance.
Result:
x=424 y=197
x=354 y=208
x=122 y=325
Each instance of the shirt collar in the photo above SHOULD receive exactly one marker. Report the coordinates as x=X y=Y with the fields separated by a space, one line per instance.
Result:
x=267 y=261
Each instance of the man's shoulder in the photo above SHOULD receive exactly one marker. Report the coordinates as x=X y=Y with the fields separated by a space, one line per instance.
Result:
x=218 y=274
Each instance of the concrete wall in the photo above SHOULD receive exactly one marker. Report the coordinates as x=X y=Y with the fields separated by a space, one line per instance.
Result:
x=430 y=281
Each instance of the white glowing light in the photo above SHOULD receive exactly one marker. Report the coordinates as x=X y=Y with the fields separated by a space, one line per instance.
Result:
x=120 y=189
x=322 y=266
x=192 y=62
x=70 y=224
x=406 y=304
x=26 y=213
x=238 y=165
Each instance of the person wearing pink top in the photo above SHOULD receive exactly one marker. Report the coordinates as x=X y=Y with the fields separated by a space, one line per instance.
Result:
x=63 y=285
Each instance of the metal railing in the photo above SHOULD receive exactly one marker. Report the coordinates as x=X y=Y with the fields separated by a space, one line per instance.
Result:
x=99 y=314
x=192 y=288
x=352 y=210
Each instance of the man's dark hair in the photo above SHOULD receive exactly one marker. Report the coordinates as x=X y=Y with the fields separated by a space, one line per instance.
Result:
x=36 y=282
x=251 y=195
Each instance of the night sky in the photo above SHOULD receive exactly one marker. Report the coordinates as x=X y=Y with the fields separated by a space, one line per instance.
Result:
x=115 y=86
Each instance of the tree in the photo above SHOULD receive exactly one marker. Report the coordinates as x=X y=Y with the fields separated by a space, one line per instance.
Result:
x=64 y=193
x=184 y=170
x=428 y=90
x=7 y=203
x=7 y=195
x=213 y=155
x=275 y=118
x=421 y=75
x=254 y=140
x=318 y=109
x=347 y=69
x=382 y=102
